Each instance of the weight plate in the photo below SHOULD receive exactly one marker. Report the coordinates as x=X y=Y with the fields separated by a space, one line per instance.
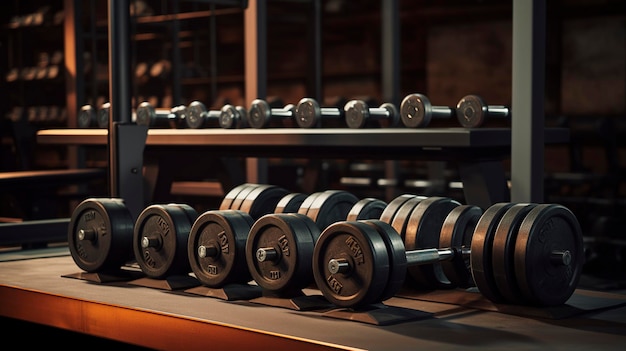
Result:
x=232 y=117
x=422 y=232
x=195 y=115
x=286 y=235
x=306 y=204
x=481 y=255
x=503 y=252
x=259 y=114
x=546 y=274
x=456 y=233
x=401 y=218
x=146 y=114
x=331 y=206
x=232 y=194
x=415 y=111
x=308 y=113
x=191 y=212
x=217 y=247
x=262 y=200
x=394 y=206
x=361 y=246
x=471 y=111
x=394 y=116
x=366 y=208
x=86 y=117
x=243 y=194
x=103 y=115
x=397 y=257
x=160 y=241
x=290 y=203
x=357 y=113
x=100 y=234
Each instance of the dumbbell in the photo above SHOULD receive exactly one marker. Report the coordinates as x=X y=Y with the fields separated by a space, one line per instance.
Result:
x=100 y=235
x=262 y=115
x=528 y=254
x=472 y=111
x=358 y=114
x=217 y=241
x=416 y=111
x=232 y=116
x=87 y=117
x=147 y=115
x=309 y=114
x=103 y=115
x=280 y=245
x=199 y=117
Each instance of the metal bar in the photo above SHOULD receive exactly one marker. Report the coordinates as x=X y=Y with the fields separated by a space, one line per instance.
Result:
x=315 y=40
x=255 y=37
x=176 y=59
x=527 y=114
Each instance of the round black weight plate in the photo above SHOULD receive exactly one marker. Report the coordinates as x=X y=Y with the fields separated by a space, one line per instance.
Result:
x=482 y=244
x=549 y=255
x=100 y=234
x=331 y=206
x=86 y=117
x=217 y=247
x=290 y=203
x=284 y=264
x=456 y=233
x=397 y=257
x=503 y=252
x=401 y=218
x=362 y=248
x=160 y=241
x=243 y=194
x=416 y=110
x=191 y=212
x=367 y=208
x=306 y=204
x=422 y=232
x=262 y=200
x=232 y=194
x=394 y=115
x=393 y=206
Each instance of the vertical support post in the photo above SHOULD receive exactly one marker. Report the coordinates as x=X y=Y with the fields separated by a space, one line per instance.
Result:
x=176 y=59
x=390 y=59
x=315 y=42
x=255 y=38
x=528 y=88
x=126 y=141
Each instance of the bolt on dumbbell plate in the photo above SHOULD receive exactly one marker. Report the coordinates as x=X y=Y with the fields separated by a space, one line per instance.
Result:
x=290 y=203
x=331 y=206
x=217 y=245
x=393 y=207
x=422 y=232
x=100 y=234
x=227 y=201
x=364 y=249
x=456 y=232
x=503 y=252
x=367 y=208
x=397 y=258
x=481 y=255
x=547 y=275
x=262 y=200
x=160 y=241
x=401 y=218
x=289 y=237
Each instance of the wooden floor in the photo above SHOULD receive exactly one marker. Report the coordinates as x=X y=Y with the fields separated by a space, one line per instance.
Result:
x=34 y=288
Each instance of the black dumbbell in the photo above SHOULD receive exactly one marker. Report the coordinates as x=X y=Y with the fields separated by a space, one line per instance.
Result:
x=309 y=114
x=103 y=115
x=358 y=114
x=262 y=115
x=416 y=111
x=280 y=245
x=472 y=111
x=199 y=117
x=147 y=115
x=534 y=253
x=87 y=117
